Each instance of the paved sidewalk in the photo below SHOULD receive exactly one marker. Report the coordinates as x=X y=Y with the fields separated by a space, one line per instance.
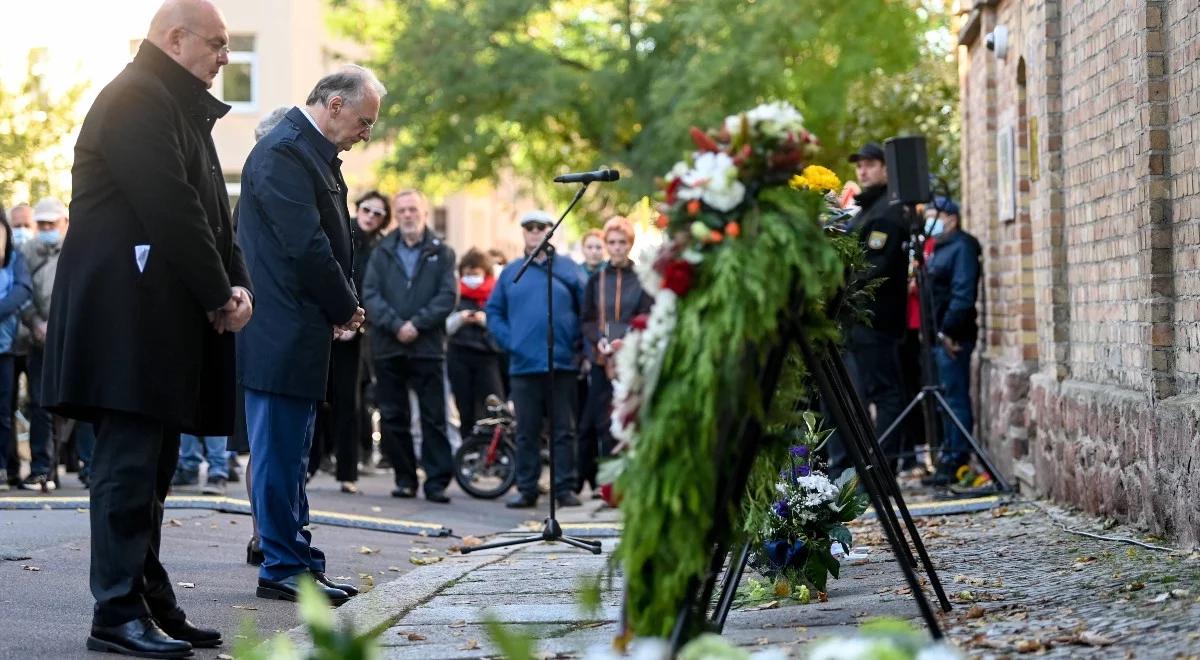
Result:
x=1020 y=584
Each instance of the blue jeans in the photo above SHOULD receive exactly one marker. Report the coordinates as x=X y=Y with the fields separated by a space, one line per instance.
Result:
x=195 y=449
x=7 y=385
x=954 y=374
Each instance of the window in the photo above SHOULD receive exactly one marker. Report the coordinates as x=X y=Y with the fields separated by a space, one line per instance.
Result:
x=239 y=79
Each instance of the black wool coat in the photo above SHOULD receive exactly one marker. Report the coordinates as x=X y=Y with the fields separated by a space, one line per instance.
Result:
x=294 y=227
x=151 y=250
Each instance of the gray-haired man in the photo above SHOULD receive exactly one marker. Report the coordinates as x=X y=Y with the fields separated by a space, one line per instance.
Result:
x=294 y=227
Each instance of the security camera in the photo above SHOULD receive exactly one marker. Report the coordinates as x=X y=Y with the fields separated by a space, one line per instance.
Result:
x=997 y=41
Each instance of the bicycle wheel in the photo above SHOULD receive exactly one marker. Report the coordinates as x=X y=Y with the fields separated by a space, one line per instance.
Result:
x=479 y=476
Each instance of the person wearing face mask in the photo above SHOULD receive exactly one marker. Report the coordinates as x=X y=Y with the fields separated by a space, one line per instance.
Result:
x=21 y=219
x=954 y=284
x=473 y=358
x=41 y=255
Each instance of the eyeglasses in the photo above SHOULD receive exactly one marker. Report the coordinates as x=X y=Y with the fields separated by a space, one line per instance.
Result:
x=378 y=213
x=535 y=226
x=217 y=46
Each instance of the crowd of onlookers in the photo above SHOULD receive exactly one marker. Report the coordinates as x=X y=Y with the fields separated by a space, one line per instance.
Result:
x=405 y=388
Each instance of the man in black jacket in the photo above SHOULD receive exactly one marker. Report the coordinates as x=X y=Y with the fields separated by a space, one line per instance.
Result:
x=409 y=290
x=872 y=351
x=149 y=282
x=294 y=225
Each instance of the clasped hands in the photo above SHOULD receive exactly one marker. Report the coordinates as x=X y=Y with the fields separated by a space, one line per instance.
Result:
x=347 y=330
x=234 y=314
x=407 y=333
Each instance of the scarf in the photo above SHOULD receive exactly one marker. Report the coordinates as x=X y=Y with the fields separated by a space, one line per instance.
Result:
x=480 y=293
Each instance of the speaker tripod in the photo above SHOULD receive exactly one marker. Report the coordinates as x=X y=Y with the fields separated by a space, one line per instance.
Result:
x=930 y=398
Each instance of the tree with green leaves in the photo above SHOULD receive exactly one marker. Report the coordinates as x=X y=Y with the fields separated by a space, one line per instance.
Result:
x=33 y=124
x=540 y=87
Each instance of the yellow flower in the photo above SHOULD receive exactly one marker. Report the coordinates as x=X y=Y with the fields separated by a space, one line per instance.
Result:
x=815 y=177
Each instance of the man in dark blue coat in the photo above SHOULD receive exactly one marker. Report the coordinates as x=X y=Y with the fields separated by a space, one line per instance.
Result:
x=294 y=228
x=516 y=316
x=954 y=283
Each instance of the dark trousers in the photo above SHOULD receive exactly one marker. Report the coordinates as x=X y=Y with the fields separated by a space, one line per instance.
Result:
x=955 y=374
x=913 y=429
x=872 y=360
x=396 y=376
x=338 y=417
x=8 y=445
x=473 y=376
x=595 y=441
x=530 y=398
x=41 y=449
x=131 y=471
x=280 y=429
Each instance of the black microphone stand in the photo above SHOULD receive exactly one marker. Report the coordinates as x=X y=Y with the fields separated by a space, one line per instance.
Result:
x=930 y=397
x=551 y=530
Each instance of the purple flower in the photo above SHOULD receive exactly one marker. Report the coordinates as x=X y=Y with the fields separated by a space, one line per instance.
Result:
x=781 y=508
x=800 y=451
x=803 y=471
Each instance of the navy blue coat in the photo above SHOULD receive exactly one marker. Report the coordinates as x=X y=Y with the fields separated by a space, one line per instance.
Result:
x=294 y=229
x=954 y=279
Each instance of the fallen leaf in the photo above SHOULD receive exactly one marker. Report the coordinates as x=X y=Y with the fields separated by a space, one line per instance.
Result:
x=461 y=623
x=414 y=637
x=366 y=582
x=377 y=509
x=770 y=605
x=1029 y=646
x=471 y=542
x=27 y=567
x=424 y=561
x=395 y=569
x=1095 y=639
x=224 y=656
x=975 y=612
x=364 y=550
x=245 y=607
x=174 y=523
x=471 y=645
x=1135 y=586
x=1161 y=598
x=422 y=551
x=187 y=585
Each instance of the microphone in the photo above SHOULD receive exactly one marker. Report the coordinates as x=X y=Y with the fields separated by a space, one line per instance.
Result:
x=588 y=177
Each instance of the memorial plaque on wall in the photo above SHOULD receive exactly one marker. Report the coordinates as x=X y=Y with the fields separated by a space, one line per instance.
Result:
x=1006 y=174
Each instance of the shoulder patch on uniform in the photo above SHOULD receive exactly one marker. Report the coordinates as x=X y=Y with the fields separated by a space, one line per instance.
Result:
x=876 y=240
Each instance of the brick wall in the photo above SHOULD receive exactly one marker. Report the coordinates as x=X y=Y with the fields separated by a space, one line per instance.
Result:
x=1090 y=380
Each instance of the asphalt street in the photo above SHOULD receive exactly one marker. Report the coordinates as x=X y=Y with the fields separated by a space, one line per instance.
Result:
x=46 y=612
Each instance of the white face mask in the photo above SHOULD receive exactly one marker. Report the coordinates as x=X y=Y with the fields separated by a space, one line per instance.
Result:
x=934 y=227
x=473 y=281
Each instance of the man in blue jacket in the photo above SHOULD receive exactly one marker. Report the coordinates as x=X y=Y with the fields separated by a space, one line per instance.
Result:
x=954 y=282
x=294 y=227
x=516 y=315
x=409 y=290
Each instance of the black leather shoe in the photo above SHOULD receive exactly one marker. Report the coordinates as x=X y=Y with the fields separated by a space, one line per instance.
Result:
x=521 y=501
x=254 y=553
x=568 y=499
x=141 y=638
x=438 y=496
x=201 y=638
x=289 y=589
x=321 y=578
x=404 y=491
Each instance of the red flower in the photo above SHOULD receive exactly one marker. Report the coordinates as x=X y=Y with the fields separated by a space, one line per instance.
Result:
x=639 y=322
x=677 y=276
x=672 y=189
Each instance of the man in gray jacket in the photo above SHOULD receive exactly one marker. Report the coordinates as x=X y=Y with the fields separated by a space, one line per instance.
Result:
x=408 y=291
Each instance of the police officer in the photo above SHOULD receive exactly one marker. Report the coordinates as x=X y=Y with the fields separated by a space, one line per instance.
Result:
x=872 y=355
x=954 y=282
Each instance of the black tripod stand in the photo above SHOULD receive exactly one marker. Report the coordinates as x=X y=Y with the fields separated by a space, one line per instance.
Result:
x=551 y=530
x=930 y=397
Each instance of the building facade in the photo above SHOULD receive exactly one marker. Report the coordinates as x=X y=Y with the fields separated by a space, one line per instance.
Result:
x=1080 y=180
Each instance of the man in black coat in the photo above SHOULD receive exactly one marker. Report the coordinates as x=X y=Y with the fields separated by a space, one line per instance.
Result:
x=149 y=281
x=294 y=226
x=409 y=289
x=872 y=350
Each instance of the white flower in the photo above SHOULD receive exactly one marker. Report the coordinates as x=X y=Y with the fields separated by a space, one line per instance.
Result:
x=677 y=171
x=773 y=120
x=713 y=179
x=855 y=648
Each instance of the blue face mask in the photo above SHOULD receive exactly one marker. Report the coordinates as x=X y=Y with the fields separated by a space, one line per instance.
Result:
x=934 y=227
x=49 y=236
x=22 y=235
